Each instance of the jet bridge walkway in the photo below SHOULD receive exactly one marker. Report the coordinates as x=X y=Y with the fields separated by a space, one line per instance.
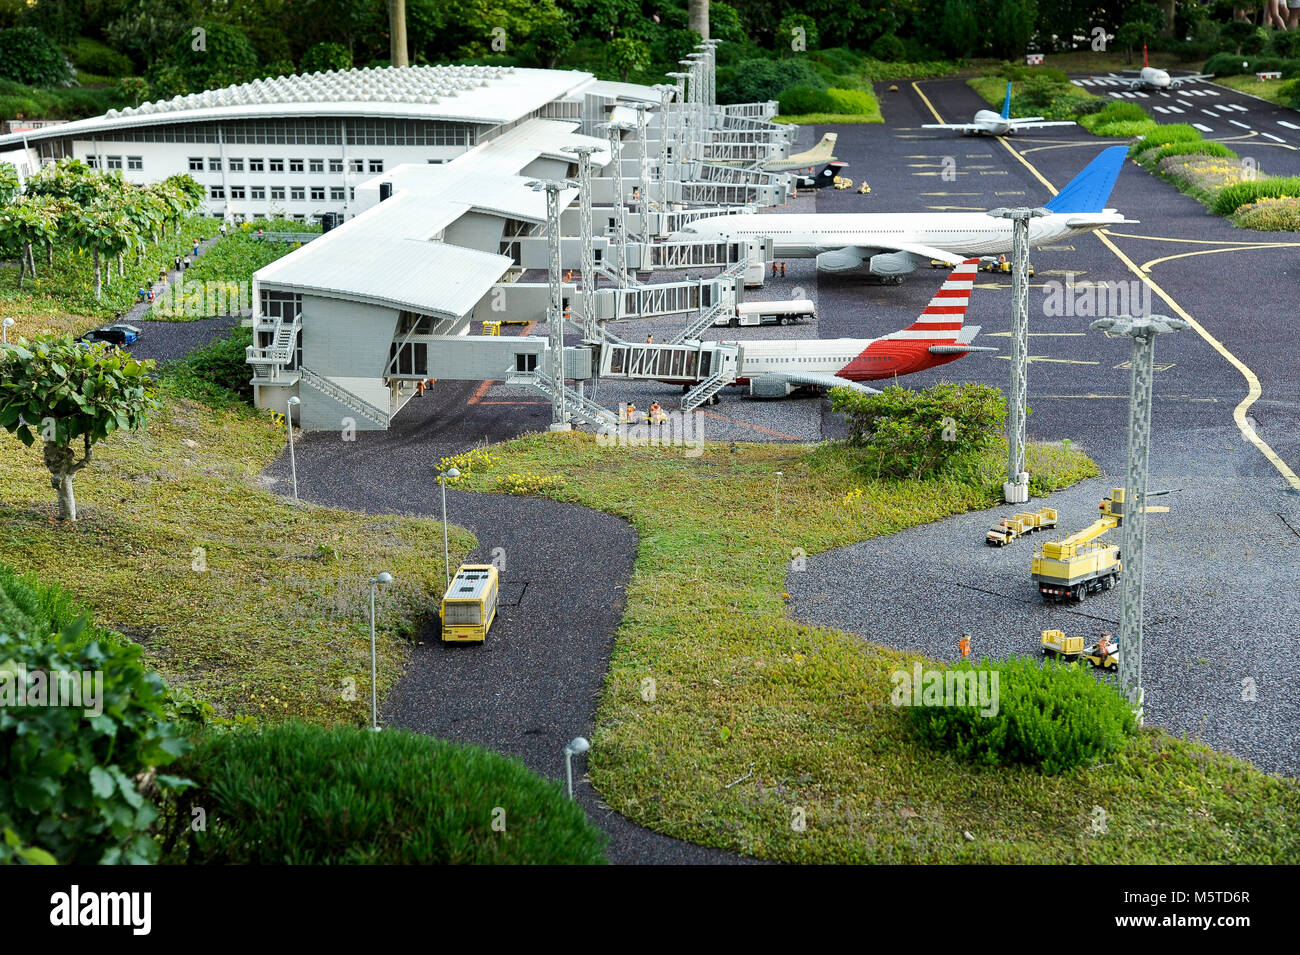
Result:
x=704 y=367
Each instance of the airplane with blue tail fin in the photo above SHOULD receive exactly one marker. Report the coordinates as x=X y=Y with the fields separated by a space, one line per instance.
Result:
x=893 y=244
x=998 y=124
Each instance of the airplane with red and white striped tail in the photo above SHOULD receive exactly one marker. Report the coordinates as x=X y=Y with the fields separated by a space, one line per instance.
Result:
x=776 y=368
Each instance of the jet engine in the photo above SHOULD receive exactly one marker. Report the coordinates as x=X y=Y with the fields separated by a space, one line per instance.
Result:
x=840 y=260
x=892 y=264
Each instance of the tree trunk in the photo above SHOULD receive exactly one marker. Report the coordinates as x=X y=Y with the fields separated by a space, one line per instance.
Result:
x=49 y=253
x=67 y=500
x=397 y=33
x=31 y=259
x=63 y=464
x=698 y=17
x=22 y=269
x=121 y=265
x=98 y=285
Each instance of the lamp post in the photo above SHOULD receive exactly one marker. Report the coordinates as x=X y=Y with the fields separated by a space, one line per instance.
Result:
x=776 y=495
x=1143 y=330
x=575 y=747
x=452 y=473
x=288 y=423
x=384 y=578
x=7 y=323
x=1016 y=488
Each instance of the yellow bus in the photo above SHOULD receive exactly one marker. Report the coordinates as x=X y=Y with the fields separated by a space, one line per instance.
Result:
x=470 y=605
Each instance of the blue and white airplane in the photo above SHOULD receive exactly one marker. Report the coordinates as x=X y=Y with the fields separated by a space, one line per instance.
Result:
x=998 y=124
x=894 y=244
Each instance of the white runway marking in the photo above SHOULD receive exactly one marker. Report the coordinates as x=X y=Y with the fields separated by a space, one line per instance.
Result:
x=1161 y=109
x=1235 y=123
x=1283 y=122
x=1174 y=109
x=1114 y=94
x=1143 y=95
x=1276 y=138
x=1210 y=113
x=1202 y=128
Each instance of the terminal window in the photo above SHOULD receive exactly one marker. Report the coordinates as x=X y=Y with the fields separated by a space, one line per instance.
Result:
x=256 y=165
x=336 y=165
x=295 y=165
x=257 y=192
x=277 y=192
x=336 y=193
x=316 y=165
x=196 y=164
x=134 y=162
x=317 y=193
x=236 y=165
x=217 y=192
x=277 y=165
x=93 y=162
x=214 y=164
x=376 y=165
x=236 y=192
x=297 y=193
x=114 y=162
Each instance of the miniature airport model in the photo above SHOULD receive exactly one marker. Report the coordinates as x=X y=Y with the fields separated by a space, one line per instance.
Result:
x=1104 y=654
x=1150 y=78
x=987 y=122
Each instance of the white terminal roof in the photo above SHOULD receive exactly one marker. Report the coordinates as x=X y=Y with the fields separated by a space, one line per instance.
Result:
x=392 y=254
x=487 y=95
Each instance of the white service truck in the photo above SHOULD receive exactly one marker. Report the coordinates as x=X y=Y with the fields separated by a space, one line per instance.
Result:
x=794 y=312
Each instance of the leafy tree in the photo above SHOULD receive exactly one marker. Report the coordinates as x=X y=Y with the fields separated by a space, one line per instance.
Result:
x=28 y=56
x=27 y=222
x=1012 y=27
x=133 y=88
x=627 y=56
x=552 y=38
x=959 y=29
x=9 y=186
x=218 y=56
x=59 y=392
x=324 y=57
x=1238 y=33
x=1141 y=24
x=725 y=24
x=146 y=29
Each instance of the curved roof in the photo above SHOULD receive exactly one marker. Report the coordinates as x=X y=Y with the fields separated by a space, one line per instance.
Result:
x=490 y=95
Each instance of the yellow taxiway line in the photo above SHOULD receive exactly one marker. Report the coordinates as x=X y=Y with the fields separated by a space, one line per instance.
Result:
x=1254 y=389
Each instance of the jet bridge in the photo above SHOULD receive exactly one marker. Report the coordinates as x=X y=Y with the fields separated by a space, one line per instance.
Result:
x=704 y=367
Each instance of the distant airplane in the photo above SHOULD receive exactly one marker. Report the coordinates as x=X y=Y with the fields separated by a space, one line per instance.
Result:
x=1150 y=78
x=998 y=124
x=894 y=244
x=776 y=368
x=823 y=152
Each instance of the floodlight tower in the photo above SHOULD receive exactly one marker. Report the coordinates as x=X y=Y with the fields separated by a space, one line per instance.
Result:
x=616 y=131
x=643 y=166
x=1016 y=488
x=589 y=330
x=711 y=79
x=1143 y=330
x=554 y=304
x=666 y=111
x=681 y=117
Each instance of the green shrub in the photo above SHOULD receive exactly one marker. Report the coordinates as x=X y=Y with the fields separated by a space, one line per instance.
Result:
x=77 y=782
x=1284 y=43
x=91 y=56
x=1166 y=134
x=852 y=102
x=20 y=107
x=29 y=56
x=305 y=795
x=1233 y=197
x=888 y=48
x=799 y=100
x=914 y=434
x=40 y=609
x=1230 y=64
x=1055 y=716
x=1155 y=153
x=324 y=57
x=1115 y=112
x=1289 y=93
x=1270 y=215
x=1125 y=129
x=759 y=80
x=217 y=373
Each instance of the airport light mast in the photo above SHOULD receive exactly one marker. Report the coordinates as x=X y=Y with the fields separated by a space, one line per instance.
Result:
x=589 y=330
x=1143 y=330
x=554 y=304
x=1016 y=488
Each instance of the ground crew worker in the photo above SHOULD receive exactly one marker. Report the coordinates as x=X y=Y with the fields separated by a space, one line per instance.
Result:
x=177 y=263
x=185 y=263
x=783 y=270
x=964 y=645
x=1104 y=647
x=656 y=413
x=631 y=412
x=419 y=389
x=649 y=339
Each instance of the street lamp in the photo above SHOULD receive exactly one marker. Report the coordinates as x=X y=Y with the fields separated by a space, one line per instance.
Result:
x=452 y=473
x=575 y=747
x=8 y=322
x=288 y=421
x=384 y=578
x=776 y=495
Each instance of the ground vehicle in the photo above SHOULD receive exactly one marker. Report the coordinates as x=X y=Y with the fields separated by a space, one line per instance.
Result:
x=1001 y=265
x=1008 y=529
x=119 y=334
x=1056 y=643
x=1107 y=660
x=469 y=607
x=1078 y=565
x=795 y=311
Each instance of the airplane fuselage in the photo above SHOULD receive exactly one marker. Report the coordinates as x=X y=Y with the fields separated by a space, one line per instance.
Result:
x=854 y=359
x=806 y=236
x=992 y=123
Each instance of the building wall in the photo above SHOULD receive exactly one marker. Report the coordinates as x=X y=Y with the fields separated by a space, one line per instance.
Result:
x=475 y=230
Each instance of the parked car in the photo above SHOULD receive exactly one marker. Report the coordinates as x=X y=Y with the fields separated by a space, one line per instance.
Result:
x=119 y=335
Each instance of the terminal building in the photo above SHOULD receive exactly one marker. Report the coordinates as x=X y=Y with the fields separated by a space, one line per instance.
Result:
x=431 y=171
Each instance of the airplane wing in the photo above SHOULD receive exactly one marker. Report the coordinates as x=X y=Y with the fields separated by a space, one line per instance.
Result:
x=1198 y=76
x=847 y=258
x=963 y=345
x=960 y=127
x=1034 y=122
x=822 y=380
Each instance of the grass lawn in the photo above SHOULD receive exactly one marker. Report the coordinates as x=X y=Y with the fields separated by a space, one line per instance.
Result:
x=829 y=119
x=753 y=722
x=993 y=90
x=1264 y=89
x=277 y=624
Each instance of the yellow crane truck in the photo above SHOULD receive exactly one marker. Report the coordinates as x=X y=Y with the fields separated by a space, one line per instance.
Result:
x=1079 y=565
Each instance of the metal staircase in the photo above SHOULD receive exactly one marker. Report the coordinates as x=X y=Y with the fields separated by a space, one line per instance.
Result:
x=692 y=329
x=576 y=405
x=706 y=389
x=346 y=398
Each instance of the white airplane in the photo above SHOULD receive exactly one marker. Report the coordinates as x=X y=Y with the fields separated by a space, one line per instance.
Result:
x=894 y=244
x=776 y=368
x=819 y=155
x=998 y=124
x=1150 y=78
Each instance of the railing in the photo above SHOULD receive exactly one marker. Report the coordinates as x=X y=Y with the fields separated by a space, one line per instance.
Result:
x=346 y=398
x=698 y=324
